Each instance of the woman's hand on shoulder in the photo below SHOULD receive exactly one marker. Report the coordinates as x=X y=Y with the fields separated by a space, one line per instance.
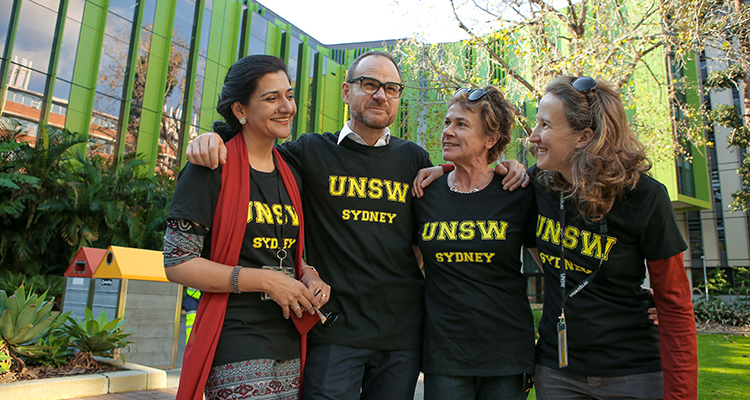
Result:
x=207 y=150
x=425 y=176
x=319 y=289
x=515 y=174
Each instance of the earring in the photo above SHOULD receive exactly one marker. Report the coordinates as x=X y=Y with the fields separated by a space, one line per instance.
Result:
x=242 y=120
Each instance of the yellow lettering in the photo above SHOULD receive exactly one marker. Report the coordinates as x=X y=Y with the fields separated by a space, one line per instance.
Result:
x=396 y=191
x=358 y=186
x=292 y=213
x=345 y=214
x=391 y=216
x=332 y=189
x=356 y=214
x=570 y=239
x=439 y=257
x=263 y=213
x=447 y=231
x=467 y=230
x=491 y=230
x=428 y=232
x=278 y=210
x=489 y=256
x=375 y=187
x=257 y=242
x=552 y=232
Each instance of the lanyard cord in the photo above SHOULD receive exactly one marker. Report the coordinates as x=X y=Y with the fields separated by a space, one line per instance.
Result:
x=573 y=292
x=281 y=252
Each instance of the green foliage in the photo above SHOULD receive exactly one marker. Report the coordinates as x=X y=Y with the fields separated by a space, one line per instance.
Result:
x=58 y=352
x=725 y=79
x=76 y=201
x=736 y=313
x=95 y=335
x=717 y=283
x=24 y=319
x=52 y=285
x=5 y=359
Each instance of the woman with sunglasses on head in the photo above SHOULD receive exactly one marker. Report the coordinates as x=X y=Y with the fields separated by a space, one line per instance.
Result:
x=479 y=329
x=606 y=221
x=236 y=233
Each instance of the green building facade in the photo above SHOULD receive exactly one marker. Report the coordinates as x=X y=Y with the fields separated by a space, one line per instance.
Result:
x=143 y=77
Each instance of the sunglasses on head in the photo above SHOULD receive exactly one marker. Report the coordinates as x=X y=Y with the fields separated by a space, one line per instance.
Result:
x=476 y=94
x=583 y=84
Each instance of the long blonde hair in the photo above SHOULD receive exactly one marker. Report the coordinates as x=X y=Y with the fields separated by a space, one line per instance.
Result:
x=612 y=160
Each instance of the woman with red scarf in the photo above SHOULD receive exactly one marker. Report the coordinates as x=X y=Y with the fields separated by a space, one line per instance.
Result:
x=236 y=234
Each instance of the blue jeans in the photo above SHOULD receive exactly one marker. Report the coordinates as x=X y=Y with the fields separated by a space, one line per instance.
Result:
x=554 y=384
x=446 y=387
x=346 y=373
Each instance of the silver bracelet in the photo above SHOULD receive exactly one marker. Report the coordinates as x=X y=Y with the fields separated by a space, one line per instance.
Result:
x=234 y=280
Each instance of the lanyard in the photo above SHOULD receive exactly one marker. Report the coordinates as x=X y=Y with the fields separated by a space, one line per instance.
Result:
x=281 y=253
x=562 y=337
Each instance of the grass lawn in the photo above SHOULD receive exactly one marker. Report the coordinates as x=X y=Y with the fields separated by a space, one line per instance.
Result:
x=724 y=367
x=724 y=362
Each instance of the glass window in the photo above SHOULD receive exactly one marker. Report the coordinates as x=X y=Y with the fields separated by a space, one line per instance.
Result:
x=259 y=27
x=198 y=95
x=5 y=9
x=293 y=58
x=75 y=10
x=124 y=9
x=149 y=13
x=36 y=29
x=68 y=50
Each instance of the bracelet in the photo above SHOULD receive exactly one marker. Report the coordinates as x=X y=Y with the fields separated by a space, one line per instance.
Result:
x=234 y=280
x=309 y=266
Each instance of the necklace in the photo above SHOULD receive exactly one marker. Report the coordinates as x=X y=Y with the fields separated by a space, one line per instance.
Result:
x=454 y=187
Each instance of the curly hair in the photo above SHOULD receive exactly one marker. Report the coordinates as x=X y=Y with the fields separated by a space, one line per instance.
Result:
x=611 y=162
x=494 y=124
x=239 y=84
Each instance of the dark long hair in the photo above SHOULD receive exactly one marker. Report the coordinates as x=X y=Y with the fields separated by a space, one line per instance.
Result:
x=239 y=84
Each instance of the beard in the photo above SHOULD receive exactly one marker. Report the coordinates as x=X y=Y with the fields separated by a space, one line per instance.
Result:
x=374 y=123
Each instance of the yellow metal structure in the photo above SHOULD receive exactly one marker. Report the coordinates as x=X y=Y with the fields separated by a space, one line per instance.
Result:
x=129 y=263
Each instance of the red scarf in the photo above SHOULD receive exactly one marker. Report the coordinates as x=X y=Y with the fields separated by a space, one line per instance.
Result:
x=228 y=230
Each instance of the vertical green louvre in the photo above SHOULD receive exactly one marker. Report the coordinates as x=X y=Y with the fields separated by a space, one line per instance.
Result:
x=49 y=87
x=9 y=40
x=191 y=76
x=222 y=53
x=156 y=82
x=86 y=72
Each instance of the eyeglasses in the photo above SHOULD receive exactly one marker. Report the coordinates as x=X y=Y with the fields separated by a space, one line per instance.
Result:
x=476 y=94
x=583 y=84
x=372 y=85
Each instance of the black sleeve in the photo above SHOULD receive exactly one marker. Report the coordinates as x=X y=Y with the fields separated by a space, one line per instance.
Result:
x=293 y=151
x=660 y=237
x=529 y=232
x=196 y=194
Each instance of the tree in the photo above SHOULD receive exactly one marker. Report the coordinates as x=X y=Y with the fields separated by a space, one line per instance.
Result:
x=721 y=28
x=113 y=74
x=520 y=45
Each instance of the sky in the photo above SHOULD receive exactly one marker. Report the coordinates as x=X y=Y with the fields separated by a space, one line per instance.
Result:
x=351 y=21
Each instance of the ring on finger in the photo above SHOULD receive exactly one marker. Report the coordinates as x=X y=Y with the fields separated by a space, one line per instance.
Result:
x=325 y=295
x=294 y=307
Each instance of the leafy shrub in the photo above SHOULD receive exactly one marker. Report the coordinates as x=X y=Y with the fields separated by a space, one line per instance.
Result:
x=736 y=313
x=73 y=201
x=52 y=285
x=96 y=336
x=24 y=319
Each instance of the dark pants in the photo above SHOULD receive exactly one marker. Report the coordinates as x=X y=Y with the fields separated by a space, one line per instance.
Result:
x=345 y=373
x=446 y=387
x=553 y=384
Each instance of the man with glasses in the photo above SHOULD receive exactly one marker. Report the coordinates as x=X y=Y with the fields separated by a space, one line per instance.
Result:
x=359 y=226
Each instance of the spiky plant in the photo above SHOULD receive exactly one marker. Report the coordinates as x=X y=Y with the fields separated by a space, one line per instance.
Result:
x=95 y=336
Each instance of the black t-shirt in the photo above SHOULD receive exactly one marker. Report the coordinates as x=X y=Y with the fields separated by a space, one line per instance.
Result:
x=253 y=328
x=478 y=320
x=609 y=333
x=359 y=224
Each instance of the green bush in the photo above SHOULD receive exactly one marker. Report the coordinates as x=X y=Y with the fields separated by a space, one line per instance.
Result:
x=53 y=201
x=53 y=285
x=96 y=336
x=736 y=313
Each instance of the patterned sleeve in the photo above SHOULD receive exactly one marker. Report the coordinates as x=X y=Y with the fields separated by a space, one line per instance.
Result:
x=183 y=241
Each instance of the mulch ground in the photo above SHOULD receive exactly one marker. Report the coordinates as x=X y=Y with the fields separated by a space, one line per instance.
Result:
x=76 y=366
x=722 y=329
